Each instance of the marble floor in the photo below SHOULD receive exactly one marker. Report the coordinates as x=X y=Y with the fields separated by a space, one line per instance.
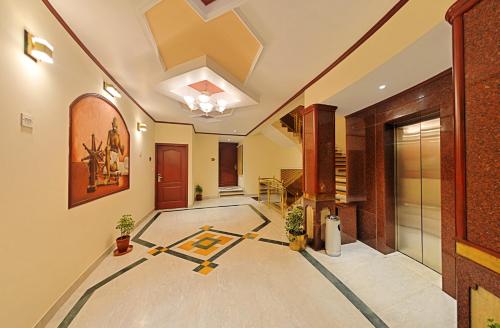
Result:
x=225 y=263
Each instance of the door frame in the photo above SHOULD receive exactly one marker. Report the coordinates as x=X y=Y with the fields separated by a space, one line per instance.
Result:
x=220 y=161
x=156 y=170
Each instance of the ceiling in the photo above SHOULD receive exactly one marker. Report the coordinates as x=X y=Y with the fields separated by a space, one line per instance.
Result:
x=181 y=35
x=299 y=40
x=426 y=57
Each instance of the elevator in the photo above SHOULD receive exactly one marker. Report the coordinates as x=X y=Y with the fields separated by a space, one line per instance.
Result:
x=418 y=191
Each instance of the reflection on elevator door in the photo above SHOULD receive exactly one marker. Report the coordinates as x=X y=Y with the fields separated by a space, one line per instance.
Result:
x=418 y=192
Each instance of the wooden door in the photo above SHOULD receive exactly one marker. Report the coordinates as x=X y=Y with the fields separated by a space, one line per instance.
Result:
x=171 y=176
x=228 y=168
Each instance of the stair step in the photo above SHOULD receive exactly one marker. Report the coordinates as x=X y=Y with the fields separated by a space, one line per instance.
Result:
x=340 y=188
x=341 y=179
x=231 y=191
x=226 y=194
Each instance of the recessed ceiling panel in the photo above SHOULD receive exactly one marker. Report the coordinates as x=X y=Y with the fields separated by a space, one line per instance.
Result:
x=182 y=35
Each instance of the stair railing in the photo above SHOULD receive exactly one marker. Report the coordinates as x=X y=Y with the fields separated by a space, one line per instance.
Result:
x=273 y=186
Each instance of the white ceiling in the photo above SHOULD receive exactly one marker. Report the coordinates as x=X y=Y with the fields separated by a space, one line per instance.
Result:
x=426 y=57
x=300 y=39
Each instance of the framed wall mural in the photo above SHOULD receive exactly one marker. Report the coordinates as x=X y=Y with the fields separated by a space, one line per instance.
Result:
x=99 y=148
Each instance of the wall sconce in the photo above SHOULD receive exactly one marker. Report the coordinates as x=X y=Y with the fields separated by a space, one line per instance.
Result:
x=142 y=127
x=109 y=88
x=37 y=48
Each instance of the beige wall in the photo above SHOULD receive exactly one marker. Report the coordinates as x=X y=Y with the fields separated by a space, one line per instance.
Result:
x=45 y=247
x=410 y=23
x=206 y=171
x=264 y=158
x=178 y=134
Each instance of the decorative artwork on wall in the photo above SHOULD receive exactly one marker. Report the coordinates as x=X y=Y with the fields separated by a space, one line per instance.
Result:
x=99 y=148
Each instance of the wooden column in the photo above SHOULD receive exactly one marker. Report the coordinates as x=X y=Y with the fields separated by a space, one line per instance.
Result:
x=318 y=157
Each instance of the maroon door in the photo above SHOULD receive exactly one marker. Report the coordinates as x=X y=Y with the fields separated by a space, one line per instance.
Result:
x=228 y=169
x=171 y=176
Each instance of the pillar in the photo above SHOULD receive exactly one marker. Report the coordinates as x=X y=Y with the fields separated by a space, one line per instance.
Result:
x=318 y=155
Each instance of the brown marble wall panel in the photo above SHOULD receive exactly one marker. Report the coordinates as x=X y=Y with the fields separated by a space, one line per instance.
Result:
x=347 y=214
x=326 y=150
x=470 y=276
x=376 y=221
x=482 y=123
x=448 y=198
x=319 y=166
x=366 y=226
x=355 y=152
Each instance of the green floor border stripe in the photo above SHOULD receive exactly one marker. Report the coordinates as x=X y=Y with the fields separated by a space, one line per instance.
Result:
x=272 y=241
x=224 y=250
x=349 y=294
x=185 y=238
x=88 y=293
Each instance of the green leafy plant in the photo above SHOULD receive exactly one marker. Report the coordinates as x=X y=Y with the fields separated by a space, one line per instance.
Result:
x=294 y=222
x=125 y=225
x=198 y=189
x=493 y=324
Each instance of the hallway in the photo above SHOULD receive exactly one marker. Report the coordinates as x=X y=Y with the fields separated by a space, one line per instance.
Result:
x=250 y=163
x=241 y=274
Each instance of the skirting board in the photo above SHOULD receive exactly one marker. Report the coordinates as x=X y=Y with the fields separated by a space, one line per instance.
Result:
x=74 y=286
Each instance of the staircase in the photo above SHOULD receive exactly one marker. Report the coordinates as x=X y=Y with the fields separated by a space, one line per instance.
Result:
x=340 y=176
x=292 y=181
x=290 y=125
x=230 y=191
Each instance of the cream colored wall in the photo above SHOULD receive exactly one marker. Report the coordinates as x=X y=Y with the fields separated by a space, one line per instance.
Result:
x=178 y=134
x=206 y=171
x=45 y=247
x=340 y=132
x=411 y=22
x=264 y=158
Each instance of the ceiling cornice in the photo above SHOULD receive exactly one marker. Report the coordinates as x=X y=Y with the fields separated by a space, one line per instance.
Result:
x=349 y=51
x=89 y=53
x=342 y=57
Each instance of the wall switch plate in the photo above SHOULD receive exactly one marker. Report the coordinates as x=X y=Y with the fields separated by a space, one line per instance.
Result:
x=26 y=120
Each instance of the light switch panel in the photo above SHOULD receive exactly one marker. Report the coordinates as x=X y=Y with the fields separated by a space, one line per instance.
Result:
x=26 y=120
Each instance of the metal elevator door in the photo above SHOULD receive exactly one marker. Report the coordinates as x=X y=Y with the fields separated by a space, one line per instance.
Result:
x=418 y=192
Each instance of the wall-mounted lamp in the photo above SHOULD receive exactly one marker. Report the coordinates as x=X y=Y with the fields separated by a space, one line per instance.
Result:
x=142 y=127
x=37 y=48
x=109 y=88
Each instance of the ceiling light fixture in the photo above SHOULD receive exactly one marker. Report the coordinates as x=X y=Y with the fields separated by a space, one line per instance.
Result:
x=142 y=127
x=37 y=48
x=382 y=87
x=206 y=103
x=109 y=88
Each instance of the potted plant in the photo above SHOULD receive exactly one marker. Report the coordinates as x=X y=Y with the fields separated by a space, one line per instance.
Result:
x=198 y=190
x=125 y=225
x=294 y=226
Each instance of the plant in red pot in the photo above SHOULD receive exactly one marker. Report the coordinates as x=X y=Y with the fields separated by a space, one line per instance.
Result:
x=125 y=225
x=198 y=190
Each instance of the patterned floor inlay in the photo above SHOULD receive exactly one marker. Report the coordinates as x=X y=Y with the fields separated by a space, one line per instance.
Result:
x=203 y=247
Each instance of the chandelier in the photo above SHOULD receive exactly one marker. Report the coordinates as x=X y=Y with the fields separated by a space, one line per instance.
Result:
x=206 y=103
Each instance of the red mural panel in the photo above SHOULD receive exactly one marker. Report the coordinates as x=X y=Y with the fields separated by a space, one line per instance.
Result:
x=99 y=150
